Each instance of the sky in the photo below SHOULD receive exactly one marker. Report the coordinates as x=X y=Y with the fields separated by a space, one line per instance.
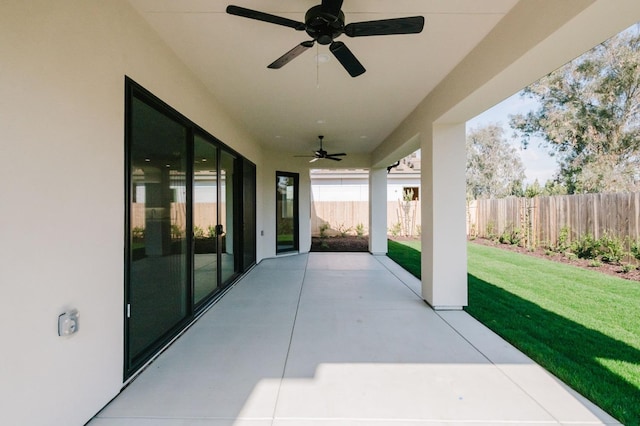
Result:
x=537 y=162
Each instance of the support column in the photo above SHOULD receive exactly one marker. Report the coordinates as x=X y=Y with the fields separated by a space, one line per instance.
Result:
x=444 y=245
x=378 y=211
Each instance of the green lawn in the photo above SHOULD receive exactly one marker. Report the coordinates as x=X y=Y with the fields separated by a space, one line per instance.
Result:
x=581 y=325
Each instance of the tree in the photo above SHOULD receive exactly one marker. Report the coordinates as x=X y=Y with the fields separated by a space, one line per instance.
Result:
x=589 y=117
x=494 y=168
x=551 y=187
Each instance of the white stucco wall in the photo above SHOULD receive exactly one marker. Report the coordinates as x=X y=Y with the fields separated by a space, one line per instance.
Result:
x=62 y=70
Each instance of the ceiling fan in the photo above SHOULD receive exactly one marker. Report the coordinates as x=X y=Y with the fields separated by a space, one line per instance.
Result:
x=324 y=23
x=321 y=154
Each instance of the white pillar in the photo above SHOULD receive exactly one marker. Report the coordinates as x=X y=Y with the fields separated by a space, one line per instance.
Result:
x=444 y=245
x=378 y=211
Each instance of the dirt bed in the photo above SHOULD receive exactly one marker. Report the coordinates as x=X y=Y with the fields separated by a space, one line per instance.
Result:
x=348 y=243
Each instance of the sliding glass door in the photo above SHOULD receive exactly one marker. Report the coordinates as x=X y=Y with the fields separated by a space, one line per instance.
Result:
x=185 y=238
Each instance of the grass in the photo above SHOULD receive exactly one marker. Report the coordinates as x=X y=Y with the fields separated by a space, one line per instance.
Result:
x=581 y=325
x=406 y=255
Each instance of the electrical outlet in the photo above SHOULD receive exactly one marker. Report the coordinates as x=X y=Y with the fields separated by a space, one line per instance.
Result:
x=68 y=323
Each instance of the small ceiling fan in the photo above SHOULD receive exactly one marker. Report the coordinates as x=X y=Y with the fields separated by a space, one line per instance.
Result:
x=321 y=154
x=324 y=23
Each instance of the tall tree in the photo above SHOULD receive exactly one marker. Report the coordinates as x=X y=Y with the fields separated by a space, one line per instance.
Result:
x=494 y=168
x=589 y=117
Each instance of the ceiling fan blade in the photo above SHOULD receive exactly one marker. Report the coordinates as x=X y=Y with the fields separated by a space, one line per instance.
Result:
x=340 y=154
x=346 y=58
x=314 y=160
x=291 y=55
x=332 y=158
x=332 y=7
x=265 y=17
x=411 y=25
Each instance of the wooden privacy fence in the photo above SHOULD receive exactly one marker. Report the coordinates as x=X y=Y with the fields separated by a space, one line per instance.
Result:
x=403 y=217
x=541 y=219
x=203 y=215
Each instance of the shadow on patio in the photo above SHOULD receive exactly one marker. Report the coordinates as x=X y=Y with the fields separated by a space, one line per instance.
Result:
x=341 y=339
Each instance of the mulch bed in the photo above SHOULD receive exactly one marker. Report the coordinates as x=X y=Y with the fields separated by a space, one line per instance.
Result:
x=348 y=243
x=605 y=268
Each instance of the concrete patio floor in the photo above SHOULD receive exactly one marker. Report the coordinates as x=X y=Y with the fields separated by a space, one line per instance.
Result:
x=341 y=339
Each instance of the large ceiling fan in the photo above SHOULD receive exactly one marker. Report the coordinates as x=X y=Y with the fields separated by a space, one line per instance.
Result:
x=321 y=154
x=324 y=23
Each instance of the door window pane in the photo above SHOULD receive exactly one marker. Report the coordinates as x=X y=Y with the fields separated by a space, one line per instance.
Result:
x=158 y=270
x=205 y=219
x=227 y=191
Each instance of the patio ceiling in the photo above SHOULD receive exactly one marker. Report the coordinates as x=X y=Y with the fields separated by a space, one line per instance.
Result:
x=287 y=109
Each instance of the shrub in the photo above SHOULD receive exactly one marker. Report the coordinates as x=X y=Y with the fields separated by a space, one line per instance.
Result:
x=611 y=248
x=395 y=229
x=343 y=230
x=176 y=231
x=359 y=230
x=137 y=233
x=323 y=229
x=595 y=263
x=513 y=237
x=586 y=247
x=198 y=232
x=491 y=229
x=562 y=244
x=635 y=249
x=627 y=267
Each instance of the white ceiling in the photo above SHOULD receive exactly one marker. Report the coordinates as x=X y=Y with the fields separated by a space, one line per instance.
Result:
x=287 y=109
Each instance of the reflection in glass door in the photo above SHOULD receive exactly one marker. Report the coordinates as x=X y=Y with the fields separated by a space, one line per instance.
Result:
x=159 y=265
x=205 y=219
x=286 y=212
x=227 y=228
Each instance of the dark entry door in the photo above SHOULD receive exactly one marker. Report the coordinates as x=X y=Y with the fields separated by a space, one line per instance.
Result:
x=286 y=212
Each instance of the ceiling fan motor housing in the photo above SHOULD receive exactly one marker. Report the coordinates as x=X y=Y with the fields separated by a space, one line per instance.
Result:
x=322 y=26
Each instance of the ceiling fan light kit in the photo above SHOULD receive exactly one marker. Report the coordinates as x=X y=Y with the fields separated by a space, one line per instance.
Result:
x=326 y=22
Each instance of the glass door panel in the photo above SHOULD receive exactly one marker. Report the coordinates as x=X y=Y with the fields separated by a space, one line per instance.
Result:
x=159 y=264
x=286 y=212
x=205 y=219
x=226 y=197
